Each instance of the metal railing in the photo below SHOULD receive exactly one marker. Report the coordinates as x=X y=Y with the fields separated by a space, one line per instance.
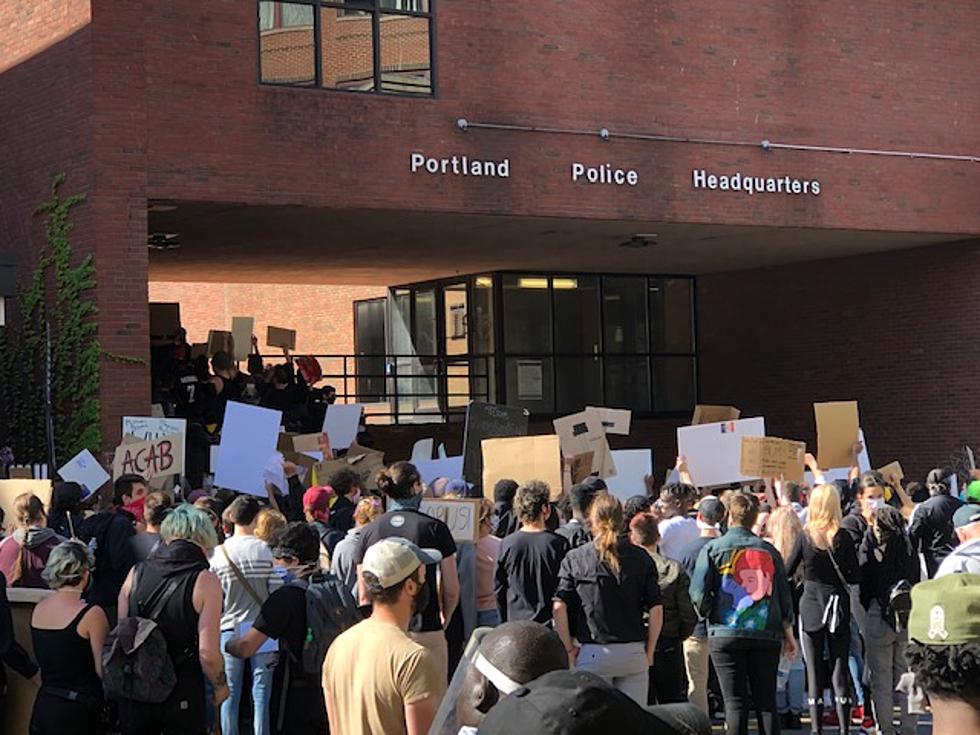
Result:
x=405 y=388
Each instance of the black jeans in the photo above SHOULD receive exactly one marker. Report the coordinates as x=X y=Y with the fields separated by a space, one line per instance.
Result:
x=814 y=644
x=668 y=677
x=747 y=665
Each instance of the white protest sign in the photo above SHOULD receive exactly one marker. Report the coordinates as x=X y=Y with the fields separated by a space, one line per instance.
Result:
x=432 y=469
x=84 y=469
x=632 y=466
x=340 y=424
x=248 y=441
x=462 y=516
x=422 y=450
x=714 y=451
x=146 y=428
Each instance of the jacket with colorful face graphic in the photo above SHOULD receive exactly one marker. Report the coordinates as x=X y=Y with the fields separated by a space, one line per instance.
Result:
x=740 y=587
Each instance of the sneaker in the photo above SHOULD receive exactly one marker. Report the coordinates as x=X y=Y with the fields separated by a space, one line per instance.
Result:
x=857 y=714
x=868 y=723
x=830 y=719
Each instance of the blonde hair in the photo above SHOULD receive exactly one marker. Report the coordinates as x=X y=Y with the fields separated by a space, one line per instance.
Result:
x=366 y=510
x=268 y=523
x=784 y=529
x=823 y=520
x=606 y=520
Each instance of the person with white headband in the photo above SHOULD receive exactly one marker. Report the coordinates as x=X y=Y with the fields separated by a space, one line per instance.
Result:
x=509 y=657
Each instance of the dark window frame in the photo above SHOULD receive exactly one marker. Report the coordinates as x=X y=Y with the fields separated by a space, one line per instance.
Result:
x=652 y=356
x=376 y=10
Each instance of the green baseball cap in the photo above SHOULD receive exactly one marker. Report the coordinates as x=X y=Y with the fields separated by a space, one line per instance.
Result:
x=946 y=610
x=973 y=490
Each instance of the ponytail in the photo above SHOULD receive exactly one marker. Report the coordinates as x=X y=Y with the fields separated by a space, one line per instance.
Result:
x=398 y=480
x=606 y=519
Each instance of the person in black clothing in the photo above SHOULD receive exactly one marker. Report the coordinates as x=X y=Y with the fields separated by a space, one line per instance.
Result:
x=296 y=703
x=615 y=585
x=580 y=497
x=228 y=385
x=144 y=543
x=503 y=507
x=316 y=508
x=289 y=395
x=830 y=565
x=65 y=509
x=932 y=531
x=109 y=534
x=11 y=652
x=347 y=487
x=402 y=485
x=190 y=622
x=529 y=560
x=887 y=560
x=68 y=636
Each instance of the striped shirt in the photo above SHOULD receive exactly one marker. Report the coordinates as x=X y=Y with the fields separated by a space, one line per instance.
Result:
x=254 y=558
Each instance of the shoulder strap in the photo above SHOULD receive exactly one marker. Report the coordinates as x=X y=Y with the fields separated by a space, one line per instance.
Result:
x=833 y=561
x=163 y=592
x=241 y=578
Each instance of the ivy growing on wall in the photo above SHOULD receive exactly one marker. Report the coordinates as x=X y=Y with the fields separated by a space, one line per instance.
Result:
x=75 y=350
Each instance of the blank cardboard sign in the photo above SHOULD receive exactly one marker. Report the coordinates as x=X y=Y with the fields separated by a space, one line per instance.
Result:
x=522 y=459
x=837 y=430
x=705 y=414
x=242 y=328
x=280 y=337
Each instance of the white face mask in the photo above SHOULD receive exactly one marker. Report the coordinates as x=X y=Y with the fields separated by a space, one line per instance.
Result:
x=874 y=503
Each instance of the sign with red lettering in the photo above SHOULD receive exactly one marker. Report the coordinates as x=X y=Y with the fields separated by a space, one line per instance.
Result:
x=159 y=457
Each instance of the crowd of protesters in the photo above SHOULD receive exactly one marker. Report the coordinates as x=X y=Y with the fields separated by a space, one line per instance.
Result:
x=344 y=608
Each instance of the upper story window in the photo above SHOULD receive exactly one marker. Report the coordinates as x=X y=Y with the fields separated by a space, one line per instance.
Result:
x=382 y=46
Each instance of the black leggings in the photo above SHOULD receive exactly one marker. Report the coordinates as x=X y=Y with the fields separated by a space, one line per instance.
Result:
x=815 y=642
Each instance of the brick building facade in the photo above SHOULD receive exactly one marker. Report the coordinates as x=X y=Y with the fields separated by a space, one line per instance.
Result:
x=863 y=290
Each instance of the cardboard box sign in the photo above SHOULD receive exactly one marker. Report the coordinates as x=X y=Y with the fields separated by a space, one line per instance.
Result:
x=614 y=420
x=837 y=430
x=522 y=459
x=220 y=341
x=705 y=414
x=462 y=516
x=164 y=320
x=280 y=337
x=583 y=432
x=159 y=457
x=365 y=462
x=892 y=468
x=579 y=467
x=766 y=456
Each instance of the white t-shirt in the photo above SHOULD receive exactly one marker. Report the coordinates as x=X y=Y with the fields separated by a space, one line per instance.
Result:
x=675 y=534
x=254 y=558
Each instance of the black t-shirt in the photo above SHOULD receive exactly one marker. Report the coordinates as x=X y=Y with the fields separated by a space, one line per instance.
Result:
x=283 y=617
x=425 y=532
x=527 y=574
x=612 y=604
x=824 y=576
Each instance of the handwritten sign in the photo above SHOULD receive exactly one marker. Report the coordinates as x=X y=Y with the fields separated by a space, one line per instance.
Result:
x=462 y=516
x=488 y=421
x=154 y=458
x=146 y=428
x=766 y=456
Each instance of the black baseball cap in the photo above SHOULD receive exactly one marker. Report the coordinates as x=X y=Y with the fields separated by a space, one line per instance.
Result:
x=572 y=703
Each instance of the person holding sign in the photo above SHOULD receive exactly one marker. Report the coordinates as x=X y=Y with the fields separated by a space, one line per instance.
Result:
x=402 y=485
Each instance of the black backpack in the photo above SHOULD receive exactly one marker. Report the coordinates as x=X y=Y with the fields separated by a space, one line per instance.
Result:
x=330 y=610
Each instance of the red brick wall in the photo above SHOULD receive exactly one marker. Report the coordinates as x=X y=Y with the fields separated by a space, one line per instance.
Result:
x=323 y=316
x=834 y=73
x=897 y=332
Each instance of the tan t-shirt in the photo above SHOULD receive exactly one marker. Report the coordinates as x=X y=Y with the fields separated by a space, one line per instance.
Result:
x=371 y=672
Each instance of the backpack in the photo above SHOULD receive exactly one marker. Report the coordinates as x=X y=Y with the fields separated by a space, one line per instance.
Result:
x=135 y=663
x=900 y=604
x=330 y=610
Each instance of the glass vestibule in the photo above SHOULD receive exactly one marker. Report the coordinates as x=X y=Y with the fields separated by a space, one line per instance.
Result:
x=551 y=343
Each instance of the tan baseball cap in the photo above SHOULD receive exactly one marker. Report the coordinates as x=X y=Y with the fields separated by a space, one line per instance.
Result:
x=393 y=560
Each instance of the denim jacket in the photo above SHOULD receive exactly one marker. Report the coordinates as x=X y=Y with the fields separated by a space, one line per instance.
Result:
x=740 y=587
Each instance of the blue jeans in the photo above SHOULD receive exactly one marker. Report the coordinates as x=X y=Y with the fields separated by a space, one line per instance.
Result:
x=487 y=618
x=791 y=697
x=262 y=667
x=855 y=664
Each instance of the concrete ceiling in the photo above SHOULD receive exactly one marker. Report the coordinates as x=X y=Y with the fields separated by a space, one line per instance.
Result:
x=238 y=243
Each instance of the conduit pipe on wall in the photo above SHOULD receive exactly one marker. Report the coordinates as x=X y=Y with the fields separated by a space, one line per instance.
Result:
x=605 y=134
